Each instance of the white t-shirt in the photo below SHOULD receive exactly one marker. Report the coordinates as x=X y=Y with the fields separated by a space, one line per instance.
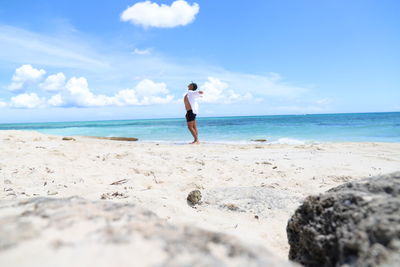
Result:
x=192 y=97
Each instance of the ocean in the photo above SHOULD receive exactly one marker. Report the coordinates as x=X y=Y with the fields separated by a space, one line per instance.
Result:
x=292 y=129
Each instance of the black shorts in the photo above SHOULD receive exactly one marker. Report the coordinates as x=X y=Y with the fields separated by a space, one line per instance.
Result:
x=190 y=116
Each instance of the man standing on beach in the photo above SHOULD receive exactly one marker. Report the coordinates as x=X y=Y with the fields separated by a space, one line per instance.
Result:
x=192 y=109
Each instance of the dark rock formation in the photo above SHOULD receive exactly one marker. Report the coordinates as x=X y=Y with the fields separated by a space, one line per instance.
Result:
x=68 y=139
x=130 y=139
x=355 y=224
x=77 y=232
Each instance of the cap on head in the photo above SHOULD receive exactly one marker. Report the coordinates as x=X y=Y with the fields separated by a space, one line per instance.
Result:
x=194 y=86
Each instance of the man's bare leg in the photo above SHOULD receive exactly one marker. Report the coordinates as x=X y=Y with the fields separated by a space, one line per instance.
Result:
x=193 y=131
x=197 y=133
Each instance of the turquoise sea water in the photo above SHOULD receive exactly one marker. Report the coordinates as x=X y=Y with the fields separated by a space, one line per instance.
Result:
x=355 y=127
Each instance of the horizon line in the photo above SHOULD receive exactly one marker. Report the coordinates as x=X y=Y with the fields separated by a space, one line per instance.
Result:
x=229 y=116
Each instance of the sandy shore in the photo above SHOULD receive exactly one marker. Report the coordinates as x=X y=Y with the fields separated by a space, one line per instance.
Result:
x=249 y=191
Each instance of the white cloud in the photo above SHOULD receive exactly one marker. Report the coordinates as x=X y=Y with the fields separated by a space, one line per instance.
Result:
x=213 y=90
x=147 y=87
x=216 y=91
x=142 y=52
x=54 y=82
x=77 y=94
x=26 y=100
x=25 y=76
x=146 y=92
x=56 y=100
x=3 y=104
x=148 y=14
x=127 y=97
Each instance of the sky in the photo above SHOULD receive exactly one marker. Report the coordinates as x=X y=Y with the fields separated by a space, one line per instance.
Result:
x=69 y=60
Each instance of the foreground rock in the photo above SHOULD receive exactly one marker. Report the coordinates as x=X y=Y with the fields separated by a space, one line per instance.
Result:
x=357 y=224
x=76 y=232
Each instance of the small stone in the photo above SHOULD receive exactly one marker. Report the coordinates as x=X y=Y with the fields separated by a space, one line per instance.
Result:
x=231 y=207
x=6 y=181
x=256 y=217
x=52 y=193
x=56 y=244
x=194 y=197
x=274 y=167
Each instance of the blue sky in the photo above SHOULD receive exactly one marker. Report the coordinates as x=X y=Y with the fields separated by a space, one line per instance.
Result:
x=85 y=60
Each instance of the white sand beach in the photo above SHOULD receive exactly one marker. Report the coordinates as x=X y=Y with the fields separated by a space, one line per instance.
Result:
x=249 y=191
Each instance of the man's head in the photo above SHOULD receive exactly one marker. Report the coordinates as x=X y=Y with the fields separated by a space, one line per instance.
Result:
x=192 y=86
